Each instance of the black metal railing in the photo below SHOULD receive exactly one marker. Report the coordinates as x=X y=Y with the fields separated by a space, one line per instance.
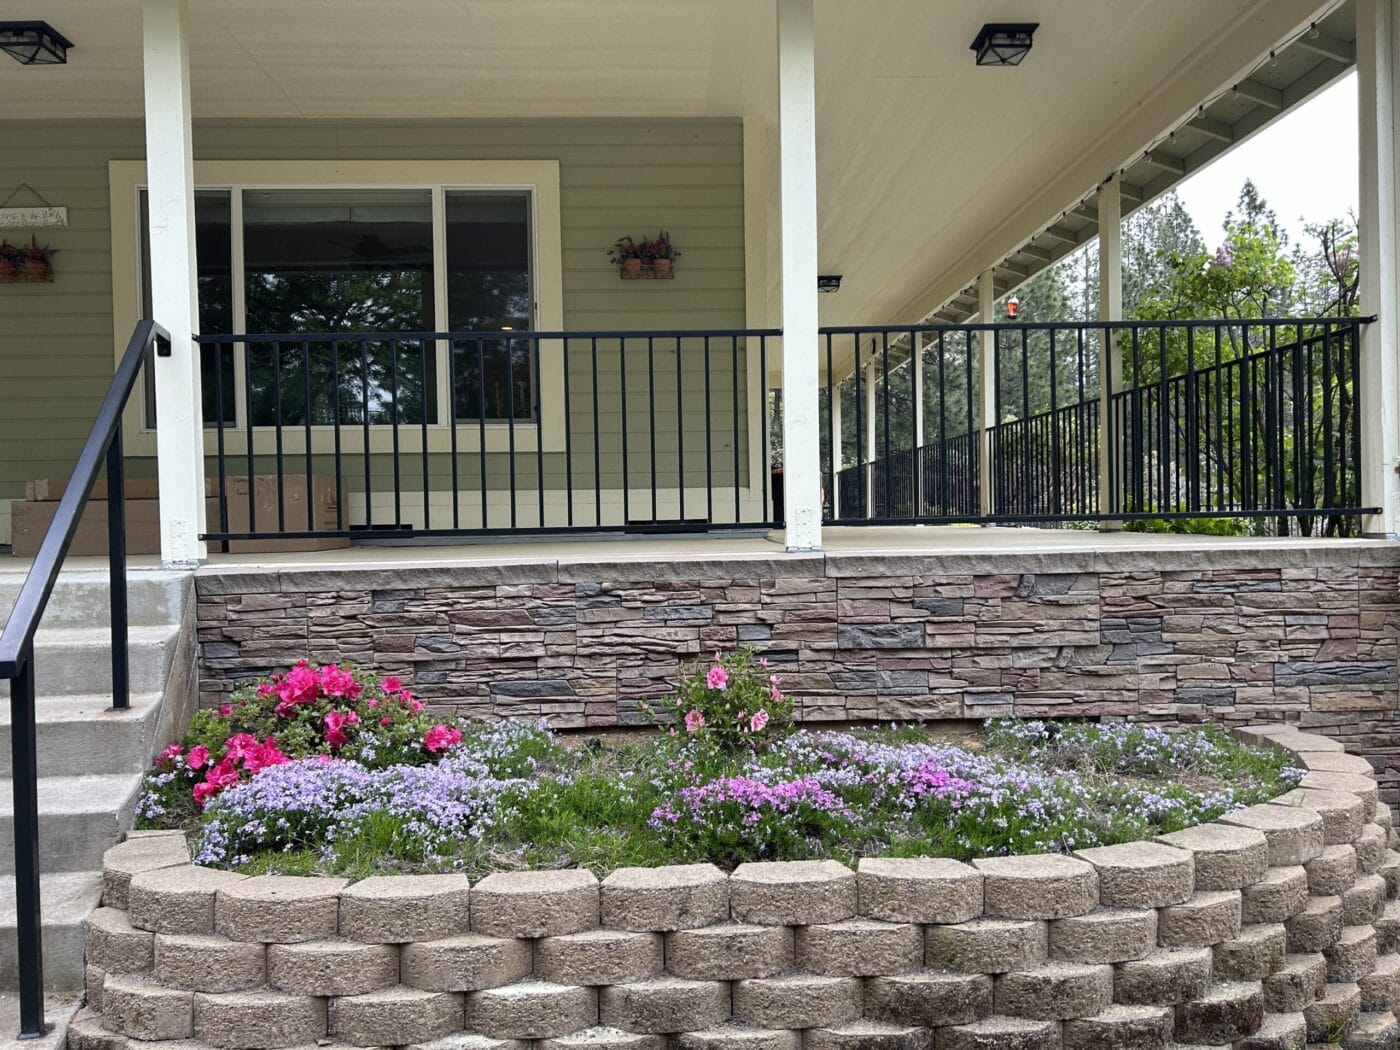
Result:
x=1206 y=418
x=103 y=448
x=394 y=435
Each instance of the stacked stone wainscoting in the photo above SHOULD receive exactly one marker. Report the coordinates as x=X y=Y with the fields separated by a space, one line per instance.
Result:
x=1303 y=632
x=1275 y=927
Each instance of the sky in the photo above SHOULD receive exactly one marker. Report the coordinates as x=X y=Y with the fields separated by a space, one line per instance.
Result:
x=1304 y=165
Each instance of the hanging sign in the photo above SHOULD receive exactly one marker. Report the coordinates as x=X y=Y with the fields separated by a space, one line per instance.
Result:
x=32 y=216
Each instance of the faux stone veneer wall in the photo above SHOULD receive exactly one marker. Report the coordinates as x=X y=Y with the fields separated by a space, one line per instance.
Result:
x=1307 y=633
x=1277 y=926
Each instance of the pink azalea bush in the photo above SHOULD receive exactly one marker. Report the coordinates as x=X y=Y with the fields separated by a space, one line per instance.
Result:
x=731 y=702
x=322 y=712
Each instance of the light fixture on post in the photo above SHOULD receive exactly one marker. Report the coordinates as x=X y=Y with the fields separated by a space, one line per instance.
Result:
x=829 y=282
x=1004 y=43
x=34 y=43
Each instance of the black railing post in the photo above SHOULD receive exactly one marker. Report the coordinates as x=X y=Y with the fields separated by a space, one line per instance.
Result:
x=116 y=570
x=26 y=829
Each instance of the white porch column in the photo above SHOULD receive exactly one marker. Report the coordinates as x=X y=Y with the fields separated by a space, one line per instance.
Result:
x=170 y=181
x=1378 y=80
x=797 y=138
x=986 y=386
x=1110 y=204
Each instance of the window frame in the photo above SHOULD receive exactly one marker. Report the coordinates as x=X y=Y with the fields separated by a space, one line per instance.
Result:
x=538 y=178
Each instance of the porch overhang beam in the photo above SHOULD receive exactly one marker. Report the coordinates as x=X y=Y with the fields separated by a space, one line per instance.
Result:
x=1063 y=233
x=1043 y=255
x=1329 y=47
x=1213 y=129
x=1157 y=159
x=1260 y=94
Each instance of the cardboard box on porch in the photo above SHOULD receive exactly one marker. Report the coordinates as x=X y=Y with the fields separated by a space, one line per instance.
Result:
x=30 y=519
x=324 y=502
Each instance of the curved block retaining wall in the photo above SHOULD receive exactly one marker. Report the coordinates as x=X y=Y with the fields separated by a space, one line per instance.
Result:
x=1277 y=926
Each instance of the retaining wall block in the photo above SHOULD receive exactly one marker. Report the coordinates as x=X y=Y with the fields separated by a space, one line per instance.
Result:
x=280 y=909
x=1141 y=874
x=205 y=962
x=792 y=893
x=535 y=903
x=987 y=945
x=1121 y=1028
x=332 y=967
x=111 y=942
x=1352 y=956
x=1225 y=857
x=1317 y=927
x=1332 y=872
x=673 y=897
x=1055 y=991
x=1209 y=917
x=1001 y=1033
x=176 y=899
x=1227 y=1012
x=1298 y=981
x=390 y=909
x=738 y=1037
x=730 y=951
x=868 y=1035
x=531 y=1010
x=598 y=957
x=1380 y=989
x=258 y=1019
x=467 y=962
x=665 y=1005
x=1334 y=1011
x=1107 y=935
x=603 y=1038
x=1256 y=953
x=395 y=1016
x=919 y=890
x=1167 y=977
x=137 y=1007
x=1044 y=886
x=1294 y=834
x=135 y=855
x=929 y=999
x=859 y=948
x=1277 y=896
x=1342 y=812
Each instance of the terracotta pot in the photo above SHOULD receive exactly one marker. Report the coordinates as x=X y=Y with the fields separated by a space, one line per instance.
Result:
x=631 y=267
x=37 y=269
x=662 y=267
x=7 y=270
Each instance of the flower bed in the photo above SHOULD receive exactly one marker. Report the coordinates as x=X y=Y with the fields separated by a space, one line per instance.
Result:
x=329 y=770
x=1276 y=926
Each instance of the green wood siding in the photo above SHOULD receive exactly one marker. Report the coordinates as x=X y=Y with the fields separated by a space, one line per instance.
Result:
x=616 y=177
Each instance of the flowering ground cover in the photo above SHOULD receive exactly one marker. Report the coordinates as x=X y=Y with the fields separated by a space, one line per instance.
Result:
x=332 y=770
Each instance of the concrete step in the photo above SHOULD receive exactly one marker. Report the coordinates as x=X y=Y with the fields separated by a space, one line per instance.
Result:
x=79 y=818
x=72 y=661
x=66 y=899
x=79 y=598
x=86 y=729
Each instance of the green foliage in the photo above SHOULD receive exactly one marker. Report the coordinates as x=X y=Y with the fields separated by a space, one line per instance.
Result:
x=731 y=702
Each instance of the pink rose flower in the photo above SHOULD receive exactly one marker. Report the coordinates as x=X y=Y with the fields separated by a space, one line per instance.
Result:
x=759 y=720
x=198 y=756
x=335 y=734
x=336 y=682
x=391 y=684
x=440 y=737
x=718 y=678
x=170 y=753
x=226 y=710
x=300 y=686
x=694 y=721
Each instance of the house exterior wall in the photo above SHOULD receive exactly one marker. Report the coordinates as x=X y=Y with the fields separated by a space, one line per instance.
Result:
x=616 y=177
x=1308 y=634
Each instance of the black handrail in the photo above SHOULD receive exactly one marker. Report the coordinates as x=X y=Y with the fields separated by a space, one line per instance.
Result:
x=103 y=445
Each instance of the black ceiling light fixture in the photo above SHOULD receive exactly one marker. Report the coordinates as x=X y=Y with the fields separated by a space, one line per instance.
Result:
x=1004 y=43
x=34 y=43
x=828 y=283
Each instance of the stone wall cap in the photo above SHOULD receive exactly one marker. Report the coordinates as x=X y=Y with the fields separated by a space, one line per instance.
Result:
x=1141 y=855
x=1033 y=866
x=1215 y=838
x=775 y=872
x=268 y=888
x=932 y=868
x=401 y=887
x=146 y=853
x=537 y=881
x=668 y=876
x=190 y=878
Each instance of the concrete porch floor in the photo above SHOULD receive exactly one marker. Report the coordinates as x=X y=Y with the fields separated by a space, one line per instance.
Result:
x=932 y=541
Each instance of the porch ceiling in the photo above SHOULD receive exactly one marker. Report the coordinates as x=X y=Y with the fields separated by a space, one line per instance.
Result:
x=930 y=168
